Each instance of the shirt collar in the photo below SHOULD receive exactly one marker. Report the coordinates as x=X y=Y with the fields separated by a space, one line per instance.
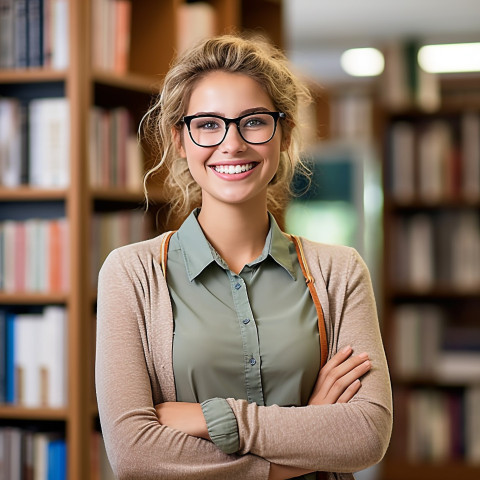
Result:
x=198 y=253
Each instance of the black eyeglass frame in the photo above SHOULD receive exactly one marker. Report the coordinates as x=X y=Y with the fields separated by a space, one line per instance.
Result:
x=275 y=115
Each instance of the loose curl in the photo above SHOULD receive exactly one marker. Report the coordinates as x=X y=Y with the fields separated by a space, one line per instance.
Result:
x=232 y=54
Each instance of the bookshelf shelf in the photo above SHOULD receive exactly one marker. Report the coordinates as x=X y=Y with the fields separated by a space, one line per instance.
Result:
x=23 y=413
x=29 y=194
x=33 y=299
x=130 y=81
x=32 y=75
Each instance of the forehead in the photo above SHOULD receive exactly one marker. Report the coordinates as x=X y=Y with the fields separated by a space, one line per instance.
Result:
x=227 y=93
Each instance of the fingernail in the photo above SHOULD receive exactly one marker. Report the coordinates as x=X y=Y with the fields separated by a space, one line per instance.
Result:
x=346 y=349
x=363 y=355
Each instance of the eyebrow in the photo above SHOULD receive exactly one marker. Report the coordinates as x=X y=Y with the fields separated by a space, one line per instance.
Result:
x=243 y=112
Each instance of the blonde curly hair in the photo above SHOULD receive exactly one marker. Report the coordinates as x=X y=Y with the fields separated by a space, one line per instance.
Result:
x=233 y=54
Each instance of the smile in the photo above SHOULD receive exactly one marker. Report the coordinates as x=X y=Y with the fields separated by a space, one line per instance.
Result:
x=234 y=169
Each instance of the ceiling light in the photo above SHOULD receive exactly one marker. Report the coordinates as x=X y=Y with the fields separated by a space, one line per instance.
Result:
x=448 y=58
x=363 y=62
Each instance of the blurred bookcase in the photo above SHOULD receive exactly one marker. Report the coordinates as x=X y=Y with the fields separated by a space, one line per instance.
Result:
x=431 y=301
x=73 y=190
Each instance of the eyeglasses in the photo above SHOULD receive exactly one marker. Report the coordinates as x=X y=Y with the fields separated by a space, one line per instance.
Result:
x=211 y=130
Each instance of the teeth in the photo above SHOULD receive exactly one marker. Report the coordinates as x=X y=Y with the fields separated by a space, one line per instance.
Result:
x=232 y=169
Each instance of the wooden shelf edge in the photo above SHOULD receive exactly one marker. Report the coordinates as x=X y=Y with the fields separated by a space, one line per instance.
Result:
x=32 y=75
x=26 y=194
x=128 y=81
x=122 y=195
x=41 y=413
x=32 y=298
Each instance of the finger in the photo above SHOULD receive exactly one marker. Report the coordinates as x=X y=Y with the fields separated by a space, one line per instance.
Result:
x=342 y=384
x=349 y=393
x=328 y=378
x=338 y=358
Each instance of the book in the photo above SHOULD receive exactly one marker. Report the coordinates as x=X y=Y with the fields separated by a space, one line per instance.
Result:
x=49 y=143
x=59 y=28
x=402 y=151
x=195 y=22
x=26 y=344
x=10 y=377
x=11 y=141
x=35 y=33
x=470 y=141
x=52 y=361
x=7 y=24
x=57 y=460
x=3 y=356
x=20 y=41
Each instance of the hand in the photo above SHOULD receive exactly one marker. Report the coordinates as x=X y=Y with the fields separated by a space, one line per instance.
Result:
x=183 y=416
x=339 y=379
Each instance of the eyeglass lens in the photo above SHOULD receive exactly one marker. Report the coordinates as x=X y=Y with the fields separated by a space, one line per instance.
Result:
x=209 y=131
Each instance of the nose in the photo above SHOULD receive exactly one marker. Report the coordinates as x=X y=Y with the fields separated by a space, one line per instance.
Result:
x=233 y=141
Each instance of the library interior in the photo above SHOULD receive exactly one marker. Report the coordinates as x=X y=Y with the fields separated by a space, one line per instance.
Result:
x=392 y=138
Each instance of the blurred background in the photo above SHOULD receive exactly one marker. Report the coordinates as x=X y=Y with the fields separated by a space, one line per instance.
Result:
x=392 y=138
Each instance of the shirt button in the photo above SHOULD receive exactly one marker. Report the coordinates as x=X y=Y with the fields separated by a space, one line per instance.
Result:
x=252 y=361
x=237 y=286
x=246 y=321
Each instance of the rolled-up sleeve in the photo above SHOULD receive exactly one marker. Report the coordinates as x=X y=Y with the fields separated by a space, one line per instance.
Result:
x=221 y=424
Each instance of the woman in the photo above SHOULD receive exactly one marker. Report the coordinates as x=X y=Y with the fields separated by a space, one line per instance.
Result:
x=210 y=367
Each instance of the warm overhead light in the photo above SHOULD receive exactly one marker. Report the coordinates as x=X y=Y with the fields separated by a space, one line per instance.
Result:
x=363 y=62
x=449 y=58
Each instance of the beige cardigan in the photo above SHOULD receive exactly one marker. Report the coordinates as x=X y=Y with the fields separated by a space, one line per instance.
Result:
x=134 y=372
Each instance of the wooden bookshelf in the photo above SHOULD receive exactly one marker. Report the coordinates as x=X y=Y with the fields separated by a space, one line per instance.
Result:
x=445 y=292
x=152 y=48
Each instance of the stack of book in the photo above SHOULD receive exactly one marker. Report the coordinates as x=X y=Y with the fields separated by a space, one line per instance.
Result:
x=34 y=256
x=111 y=20
x=33 y=370
x=436 y=161
x=35 y=143
x=426 y=346
x=26 y=454
x=116 y=158
x=438 y=426
x=34 y=33
x=437 y=251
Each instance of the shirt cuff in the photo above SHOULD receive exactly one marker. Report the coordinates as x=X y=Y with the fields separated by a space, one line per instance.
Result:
x=221 y=424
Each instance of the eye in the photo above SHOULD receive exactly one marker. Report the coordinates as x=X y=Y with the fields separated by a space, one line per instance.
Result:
x=206 y=124
x=255 y=122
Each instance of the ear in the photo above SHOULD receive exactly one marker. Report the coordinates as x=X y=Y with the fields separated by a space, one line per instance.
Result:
x=177 y=140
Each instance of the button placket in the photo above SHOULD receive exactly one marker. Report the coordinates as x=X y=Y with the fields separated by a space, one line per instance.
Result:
x=249 y=333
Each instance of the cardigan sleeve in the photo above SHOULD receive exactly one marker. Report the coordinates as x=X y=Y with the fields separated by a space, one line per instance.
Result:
x=340 y=437
x=138 y=446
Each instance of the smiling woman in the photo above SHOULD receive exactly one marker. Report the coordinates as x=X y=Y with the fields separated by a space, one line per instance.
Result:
x=232 y=366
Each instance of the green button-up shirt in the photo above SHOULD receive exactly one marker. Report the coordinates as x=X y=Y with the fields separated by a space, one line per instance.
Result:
x=250 y=336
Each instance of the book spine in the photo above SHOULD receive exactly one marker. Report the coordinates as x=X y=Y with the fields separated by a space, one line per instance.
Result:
x=35 y=33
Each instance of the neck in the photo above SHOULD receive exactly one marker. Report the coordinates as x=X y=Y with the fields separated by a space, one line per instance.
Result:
x=237 y=232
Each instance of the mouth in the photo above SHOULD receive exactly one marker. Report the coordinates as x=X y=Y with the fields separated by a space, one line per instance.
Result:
x=234 y=169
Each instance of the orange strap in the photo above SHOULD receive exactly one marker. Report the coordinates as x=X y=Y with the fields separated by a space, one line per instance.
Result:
x=306 y=273
x=310 y=283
